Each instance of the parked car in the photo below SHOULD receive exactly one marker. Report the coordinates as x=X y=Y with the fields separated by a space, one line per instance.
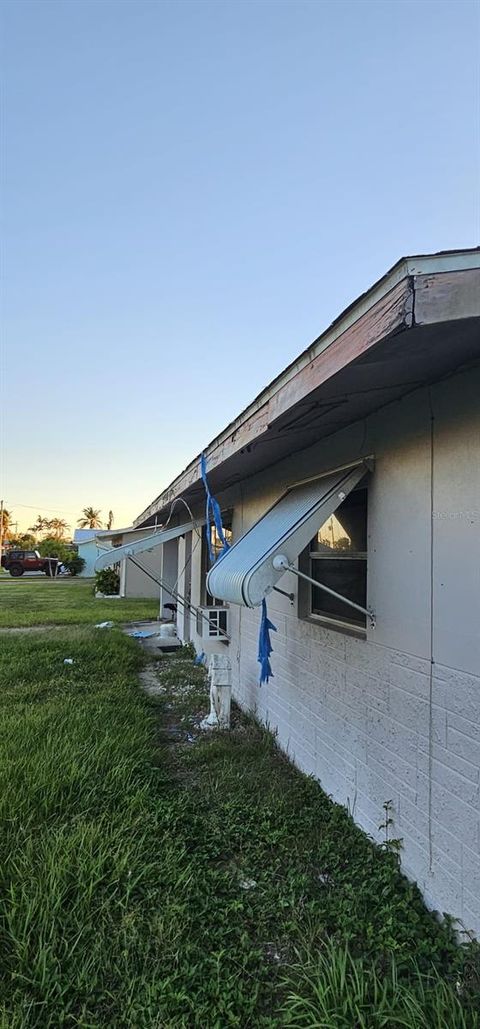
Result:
x=19 y=561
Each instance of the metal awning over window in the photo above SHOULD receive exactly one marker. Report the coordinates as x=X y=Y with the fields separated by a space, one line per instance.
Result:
x=115 y=554
x=246 y=573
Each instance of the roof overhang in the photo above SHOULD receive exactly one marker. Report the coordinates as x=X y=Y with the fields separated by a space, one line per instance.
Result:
x=417 y=324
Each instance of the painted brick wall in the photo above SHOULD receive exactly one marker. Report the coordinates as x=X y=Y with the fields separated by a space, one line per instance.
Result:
x=375 y=719
x=356 y=716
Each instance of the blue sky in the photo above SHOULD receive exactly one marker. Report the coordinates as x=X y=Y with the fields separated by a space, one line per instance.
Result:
x=191 y=193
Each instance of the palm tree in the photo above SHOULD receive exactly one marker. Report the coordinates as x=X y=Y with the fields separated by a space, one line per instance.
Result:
x=110 y=520
x=41 y=525
x=6 y=523
x=59 y=527
x=91 y=519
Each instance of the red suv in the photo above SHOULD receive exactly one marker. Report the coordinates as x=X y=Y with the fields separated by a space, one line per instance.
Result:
x=19 y=561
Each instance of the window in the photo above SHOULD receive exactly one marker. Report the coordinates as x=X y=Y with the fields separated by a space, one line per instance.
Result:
x=206 y=599
x=337 y=558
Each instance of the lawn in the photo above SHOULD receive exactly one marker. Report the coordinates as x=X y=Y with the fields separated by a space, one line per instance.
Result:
x=64 y=601
x=152 y=877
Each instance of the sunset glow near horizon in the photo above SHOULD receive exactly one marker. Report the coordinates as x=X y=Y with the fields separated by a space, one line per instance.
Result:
x=192 y=192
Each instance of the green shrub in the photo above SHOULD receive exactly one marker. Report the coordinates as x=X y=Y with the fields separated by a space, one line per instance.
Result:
x=75 y=565
x=107 y=581
x=55 y=548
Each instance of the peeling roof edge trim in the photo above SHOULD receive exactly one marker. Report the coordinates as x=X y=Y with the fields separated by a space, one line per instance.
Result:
x=404 y=268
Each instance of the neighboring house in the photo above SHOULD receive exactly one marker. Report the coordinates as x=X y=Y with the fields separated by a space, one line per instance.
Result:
x=88 y=548
x=139 y=579
x=374 y=431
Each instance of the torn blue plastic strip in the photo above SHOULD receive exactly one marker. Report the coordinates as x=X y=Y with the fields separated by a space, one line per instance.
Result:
x=212 y=512
x=264 y=645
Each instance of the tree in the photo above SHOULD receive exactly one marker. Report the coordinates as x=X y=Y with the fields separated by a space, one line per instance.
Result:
x=343 y=543
x=110 y=520
x=41 y=525
x=90 y=519
x=58 y=526
x=51 y=547
x=6 y=523
x=24 y=541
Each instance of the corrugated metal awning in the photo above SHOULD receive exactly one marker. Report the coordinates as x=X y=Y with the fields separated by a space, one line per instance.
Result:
x=115 y=554
x=245 y=574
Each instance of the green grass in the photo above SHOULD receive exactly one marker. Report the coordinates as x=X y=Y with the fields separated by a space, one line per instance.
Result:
x=335 y=990
x=152 y=877
x=26 y=602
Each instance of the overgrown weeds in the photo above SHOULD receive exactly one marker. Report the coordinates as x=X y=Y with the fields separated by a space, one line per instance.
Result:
x=332 y=989
x=149 y=886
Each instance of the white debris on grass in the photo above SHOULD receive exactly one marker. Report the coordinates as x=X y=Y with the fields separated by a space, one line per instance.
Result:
x=272 y=952
x=180 y=690
x=324 y=879
x=104 y=625
x=68 y=661
x=247 y=884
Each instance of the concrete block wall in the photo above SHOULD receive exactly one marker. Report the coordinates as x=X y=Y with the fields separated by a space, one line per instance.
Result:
x=356 y=715
x=375 y=719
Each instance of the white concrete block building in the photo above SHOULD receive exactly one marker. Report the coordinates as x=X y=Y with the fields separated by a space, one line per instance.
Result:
x=371 y=443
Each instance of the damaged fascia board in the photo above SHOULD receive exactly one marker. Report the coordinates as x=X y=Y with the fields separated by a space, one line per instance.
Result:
x=260 y=414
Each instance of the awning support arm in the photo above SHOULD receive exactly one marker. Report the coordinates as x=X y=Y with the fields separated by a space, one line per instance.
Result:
x=280 y=561
x=196 y=611
x=291 y=596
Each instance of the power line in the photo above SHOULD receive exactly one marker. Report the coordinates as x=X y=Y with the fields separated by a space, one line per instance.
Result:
x=51 y=510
